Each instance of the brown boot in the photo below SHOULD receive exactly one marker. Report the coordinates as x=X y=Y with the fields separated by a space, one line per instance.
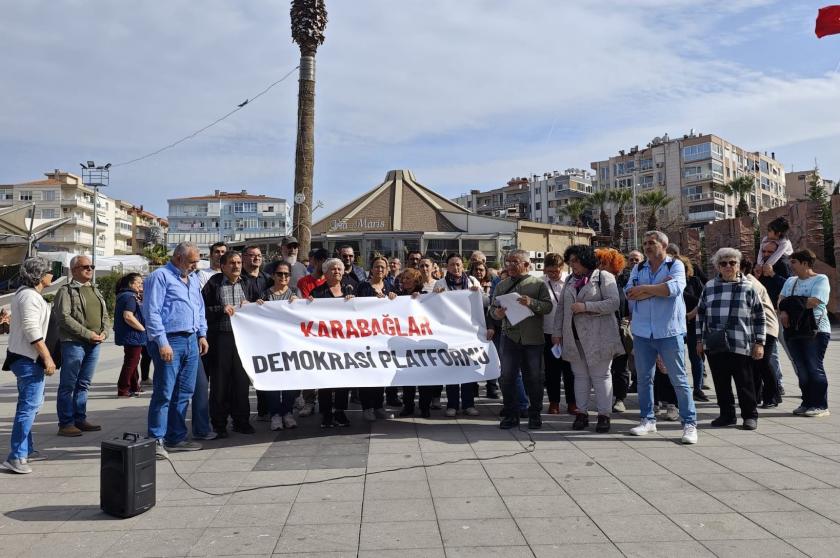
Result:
x=69 y=430
x=554 y=408
x=88 y=427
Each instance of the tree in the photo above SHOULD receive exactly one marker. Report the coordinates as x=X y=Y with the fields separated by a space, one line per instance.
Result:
x=621 y=197
x=573 y=210
x=817 y=193
x=740 y=187
x=309 y=19
x=600 y=199
x=654 y=201
x=156 y=254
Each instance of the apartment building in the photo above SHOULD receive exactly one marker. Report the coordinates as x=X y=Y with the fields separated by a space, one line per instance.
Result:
x=147 y=229
x=226 y=216
x=512 y=201
x=692 y=169
x=554 y=190
x=799 y=183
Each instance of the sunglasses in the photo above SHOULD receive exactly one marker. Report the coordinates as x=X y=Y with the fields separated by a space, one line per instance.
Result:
x=281 y=274
x=730 y=263
x=86 y=267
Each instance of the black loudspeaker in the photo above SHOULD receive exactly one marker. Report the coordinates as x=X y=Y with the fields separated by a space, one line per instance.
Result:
x=127 y=475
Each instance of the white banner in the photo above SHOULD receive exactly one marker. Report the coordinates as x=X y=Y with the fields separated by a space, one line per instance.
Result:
x=435 y=339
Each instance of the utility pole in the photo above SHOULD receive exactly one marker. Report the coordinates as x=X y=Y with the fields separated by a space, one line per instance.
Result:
x=95 y=177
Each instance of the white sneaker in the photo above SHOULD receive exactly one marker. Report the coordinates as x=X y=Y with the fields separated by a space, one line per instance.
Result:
x=817 y=412
x=299 y=403
x=689 y=434
x=672 y=413
x=307 y=410
x=19 y=466
x=289 y=421
x=471 y=411
x=618 y=406
x=645 y=427
x=450 y=412
x=382 y=414
x=368 y=415
x=276 y=422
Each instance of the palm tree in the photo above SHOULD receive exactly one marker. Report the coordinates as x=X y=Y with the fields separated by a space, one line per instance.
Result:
x=621 y=197
x=740 y=187
x=309 y=19
x=600 y=199
x=574 y=209
x=654 y=201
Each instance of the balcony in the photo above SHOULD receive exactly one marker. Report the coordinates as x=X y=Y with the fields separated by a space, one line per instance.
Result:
x=704 y=196
x=76 y=202
x=123 y=233
x=706 y=216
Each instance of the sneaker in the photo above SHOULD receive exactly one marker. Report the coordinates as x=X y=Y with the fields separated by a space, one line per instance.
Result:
x=307 y=410
x=798 y=411
x=817 y=412
x=368 y=415
x=781 y=389
x=492 y=393
x=382 y=414
x=69 y=431
x=535 y=422
x=750 y=424
x=407 y=411
x=185 y=445
x=603 y=425
x=581 y=422
x=160 y=451
x=221 y=433
x=471 y=412
x=450 y=412
x=276 y=422
x=327 y=420
x=672 y=413
x=689 y=434
x=264 y=417
x=767 y=405
x=245 y=428
x=646 y=426
x=289 y=421
x=340 y=418
x=509 y=422
x=299 y=403
x=35 y=455
x=207 y=437
x=435 y=404
x=618 y=406
x=19 y=466
x=700 y=396
x=723 y=422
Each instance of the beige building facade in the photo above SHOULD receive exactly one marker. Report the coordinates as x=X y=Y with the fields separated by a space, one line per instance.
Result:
x=799 y=183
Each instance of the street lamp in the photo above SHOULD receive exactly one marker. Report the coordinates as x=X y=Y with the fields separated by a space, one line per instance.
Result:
x=95 y=177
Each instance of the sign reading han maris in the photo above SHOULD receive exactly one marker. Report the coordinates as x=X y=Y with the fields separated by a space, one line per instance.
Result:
x=360 y=224
x=435 y=339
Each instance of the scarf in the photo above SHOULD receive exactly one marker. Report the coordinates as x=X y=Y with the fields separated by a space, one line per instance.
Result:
x=581 y=282
x=453 y=283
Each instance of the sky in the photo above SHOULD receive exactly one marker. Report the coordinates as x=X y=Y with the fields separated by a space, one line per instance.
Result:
x=466 y=94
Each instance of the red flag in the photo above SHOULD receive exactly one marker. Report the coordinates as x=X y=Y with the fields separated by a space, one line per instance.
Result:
x=828 y=21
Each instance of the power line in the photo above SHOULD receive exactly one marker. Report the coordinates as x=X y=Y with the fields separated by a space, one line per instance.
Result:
x=234 y=111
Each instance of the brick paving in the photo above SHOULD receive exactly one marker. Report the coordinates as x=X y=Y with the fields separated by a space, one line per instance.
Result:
x=773 y=492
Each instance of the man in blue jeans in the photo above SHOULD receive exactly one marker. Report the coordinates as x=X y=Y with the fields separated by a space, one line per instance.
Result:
x=177 y=331
x=654 y=293
x=83 y=325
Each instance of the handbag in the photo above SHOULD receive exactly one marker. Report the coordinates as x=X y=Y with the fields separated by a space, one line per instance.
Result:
x=805 y=326
x=716 y=340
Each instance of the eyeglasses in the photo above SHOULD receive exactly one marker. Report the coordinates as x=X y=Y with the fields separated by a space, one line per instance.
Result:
x=730 y=263
x=86 y=267
x=281 y=274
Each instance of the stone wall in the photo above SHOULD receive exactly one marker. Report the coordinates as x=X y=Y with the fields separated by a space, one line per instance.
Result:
x=731 y=233
x=806 y=230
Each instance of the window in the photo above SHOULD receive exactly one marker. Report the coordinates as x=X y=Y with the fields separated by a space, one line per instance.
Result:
x=625 y=167
x=697 y=152
x=48 y=195
x=538 y=206
x=717 y=151
x=646 y=164
x=605 y=174
x=7 y=194
x=26 y=195
x=49 y=213
x=624 y=183
x=646 y=181
x=245 y=207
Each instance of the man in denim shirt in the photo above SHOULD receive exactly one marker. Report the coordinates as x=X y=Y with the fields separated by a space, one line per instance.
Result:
x=177 y=331
x=654 y=293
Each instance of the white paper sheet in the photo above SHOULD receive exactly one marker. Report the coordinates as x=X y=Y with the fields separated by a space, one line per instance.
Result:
x=514 y=311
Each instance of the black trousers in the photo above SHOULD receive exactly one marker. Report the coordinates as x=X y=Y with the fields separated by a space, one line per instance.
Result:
x=621 y=377
x=557 y=372
x=525 y=359
x=372 y=397
x=663 y=389
x=427 y=393
x=229 y=385
x=727 y=367
x=766 y=383
x=333 y=398
x=145 y=363
x=391 y=393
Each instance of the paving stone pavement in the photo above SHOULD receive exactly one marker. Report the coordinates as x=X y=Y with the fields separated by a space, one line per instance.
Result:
x=439 y=487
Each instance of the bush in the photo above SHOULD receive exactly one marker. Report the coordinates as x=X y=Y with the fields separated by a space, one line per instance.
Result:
x=107 y=286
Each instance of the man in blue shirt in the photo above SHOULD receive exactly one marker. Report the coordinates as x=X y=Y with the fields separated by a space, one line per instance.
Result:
x=654 y=293
x=177 y=331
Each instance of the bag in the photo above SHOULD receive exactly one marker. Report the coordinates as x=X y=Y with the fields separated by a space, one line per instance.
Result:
x=716 y=341
x=805 y=326
x=10 y=360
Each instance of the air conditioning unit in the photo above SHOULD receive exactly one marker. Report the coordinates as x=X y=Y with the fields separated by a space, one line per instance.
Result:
x=538 y=266
x=660 y=165
x=540 y=255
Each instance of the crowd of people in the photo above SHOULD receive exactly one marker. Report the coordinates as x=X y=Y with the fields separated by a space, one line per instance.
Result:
x=601 y=322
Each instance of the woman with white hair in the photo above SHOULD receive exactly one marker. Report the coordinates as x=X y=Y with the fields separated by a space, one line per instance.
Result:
x=28 y=358
x=731 y=331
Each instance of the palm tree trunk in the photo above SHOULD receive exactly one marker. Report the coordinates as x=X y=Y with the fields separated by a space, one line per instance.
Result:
x=618 y=228
x=605 y=222
x=305 y=153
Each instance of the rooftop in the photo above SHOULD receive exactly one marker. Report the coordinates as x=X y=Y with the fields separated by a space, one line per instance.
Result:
x=242 y=195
